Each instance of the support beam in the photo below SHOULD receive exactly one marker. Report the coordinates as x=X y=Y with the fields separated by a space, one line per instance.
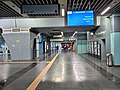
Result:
x=48 y=33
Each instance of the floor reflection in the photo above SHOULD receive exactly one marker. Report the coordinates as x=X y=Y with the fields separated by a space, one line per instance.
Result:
x=71 y=72
x=10 y=79
x=105 y=73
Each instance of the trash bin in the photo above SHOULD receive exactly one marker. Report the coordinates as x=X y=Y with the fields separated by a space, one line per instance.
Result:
x=109 y=60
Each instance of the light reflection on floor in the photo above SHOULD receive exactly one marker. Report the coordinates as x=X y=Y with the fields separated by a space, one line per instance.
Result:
x=71 y=72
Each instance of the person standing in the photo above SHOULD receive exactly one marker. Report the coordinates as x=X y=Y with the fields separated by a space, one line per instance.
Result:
x=57 y=48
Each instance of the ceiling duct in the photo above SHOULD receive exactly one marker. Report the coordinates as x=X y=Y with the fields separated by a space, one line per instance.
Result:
x=40 y=9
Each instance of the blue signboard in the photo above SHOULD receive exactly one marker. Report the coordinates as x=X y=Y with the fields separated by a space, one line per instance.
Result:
x=80 y=18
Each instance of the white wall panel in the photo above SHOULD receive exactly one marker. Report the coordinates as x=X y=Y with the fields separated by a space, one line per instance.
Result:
x=31 y=22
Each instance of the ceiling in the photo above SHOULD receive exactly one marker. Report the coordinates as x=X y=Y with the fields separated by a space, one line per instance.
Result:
x=68 y=30
x=6 y=11
x=12 y=8
x=97 y=5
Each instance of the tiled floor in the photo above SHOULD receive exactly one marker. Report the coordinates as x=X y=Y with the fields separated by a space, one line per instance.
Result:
x=6 y=70
x=13 y=76
x=47 y=56
x=114 y=70
x=69 y=72
x=21 y=83
x=6 y=57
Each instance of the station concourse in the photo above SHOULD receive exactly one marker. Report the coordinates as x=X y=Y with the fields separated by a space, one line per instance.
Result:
x=59 y=45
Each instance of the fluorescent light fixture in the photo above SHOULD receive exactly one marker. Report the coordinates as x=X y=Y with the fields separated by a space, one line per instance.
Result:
x=62 y=33
x=57 y=36
x=56 y=40
x=105 y=10
x=63 y=12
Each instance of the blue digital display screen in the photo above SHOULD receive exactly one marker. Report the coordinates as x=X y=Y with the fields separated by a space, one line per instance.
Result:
x=80 y=18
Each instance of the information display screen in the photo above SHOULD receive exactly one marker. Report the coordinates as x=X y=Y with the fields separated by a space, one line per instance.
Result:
x=80 y=18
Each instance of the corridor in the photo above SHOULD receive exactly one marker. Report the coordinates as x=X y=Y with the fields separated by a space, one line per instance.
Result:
x=71 y=72
x=68 y=72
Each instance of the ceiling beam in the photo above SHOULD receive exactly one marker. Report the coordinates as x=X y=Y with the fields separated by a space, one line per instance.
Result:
x=80 y=4
x=47 y=2
x=31 y=2
x=14 y=7
x=87 y=6
x=113 y=4
x=83 y=7
x=99 y=4
x=43 y=2
x=35 y=2
x=114 y=8
x=94 y=3
x=39 y=2
x=77 y=4
x=28 y=2
x=73 y=4
x=5 y=9
x=51 y=1
x=103 y=6
x=69 y=5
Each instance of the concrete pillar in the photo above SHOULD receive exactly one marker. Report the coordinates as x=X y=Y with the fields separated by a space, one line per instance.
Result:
x=103 y=49
x=20 y=43
x=115 y=39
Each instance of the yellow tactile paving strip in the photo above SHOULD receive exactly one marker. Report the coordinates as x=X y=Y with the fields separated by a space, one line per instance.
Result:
x=38 y=79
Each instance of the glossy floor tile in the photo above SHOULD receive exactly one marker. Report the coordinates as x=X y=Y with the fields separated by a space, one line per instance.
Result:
x=102 y=63
x=72 y=72
x=69 y=72
x=20 y=76
x=26 y=79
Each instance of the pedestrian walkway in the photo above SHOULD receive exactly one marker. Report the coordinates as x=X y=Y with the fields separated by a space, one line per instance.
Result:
x=68 y=72
x=102 y=63
x=72 y=72
x=12 y=74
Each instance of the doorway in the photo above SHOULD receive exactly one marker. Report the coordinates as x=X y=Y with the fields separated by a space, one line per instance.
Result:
x=34 y=49
x=103 y=49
